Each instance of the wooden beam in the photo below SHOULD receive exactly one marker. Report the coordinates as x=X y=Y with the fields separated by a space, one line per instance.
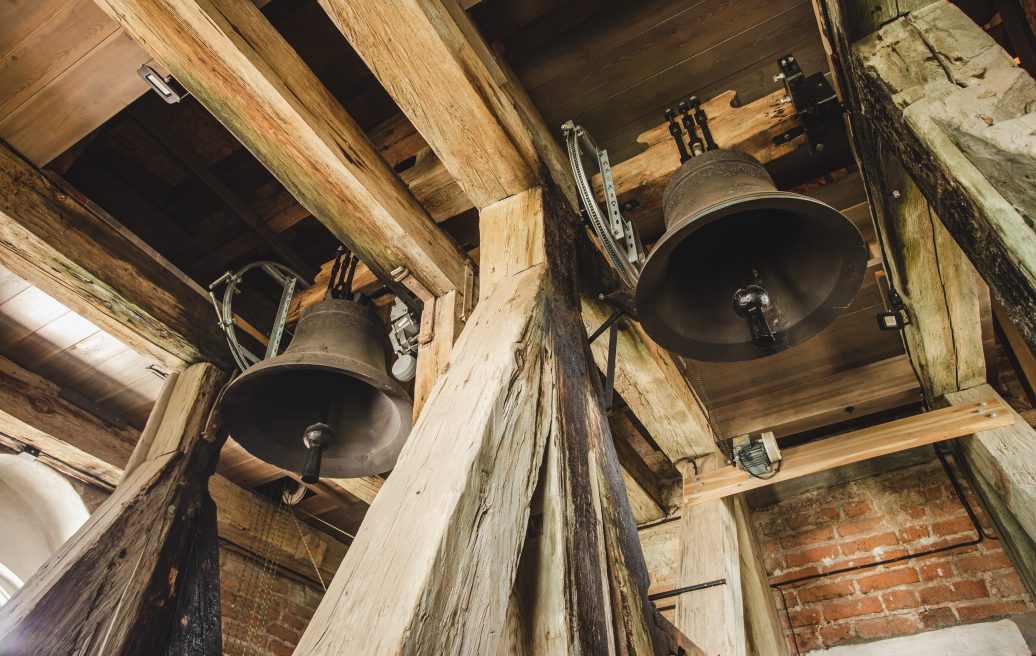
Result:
x=34 y=414
x=938 y=285
x=445 y=534
x=750 y=128
x=54 y=241
x=945 y=98
x=926 y=428
x=114 y=587
x=236 y=64
x=872 y=388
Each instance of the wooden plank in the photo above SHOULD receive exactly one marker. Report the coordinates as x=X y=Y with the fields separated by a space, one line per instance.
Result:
x=927 y=428
x=62 y=39
x=78 y=101
x=89 y=597
x=869 y=389
x=436 y=344
x=90 y=266
x=763 y=628
x=1005 y=456
x=236 y=64
x=929 y=83
x=710 y=551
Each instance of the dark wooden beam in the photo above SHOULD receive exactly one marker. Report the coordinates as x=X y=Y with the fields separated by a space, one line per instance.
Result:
x=95 y=267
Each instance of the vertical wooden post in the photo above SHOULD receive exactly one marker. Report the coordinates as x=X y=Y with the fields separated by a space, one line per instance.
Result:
x=126 y=581
x=438 y=334
x=433 y=567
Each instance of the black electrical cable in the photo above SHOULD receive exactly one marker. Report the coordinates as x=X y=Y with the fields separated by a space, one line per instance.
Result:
x=972 y=515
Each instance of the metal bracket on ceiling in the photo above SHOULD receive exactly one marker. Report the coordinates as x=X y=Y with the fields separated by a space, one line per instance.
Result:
x=817 y=106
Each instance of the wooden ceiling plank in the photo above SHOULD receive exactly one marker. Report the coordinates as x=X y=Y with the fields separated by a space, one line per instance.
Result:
x=964 y=418
x=236 y=64
x=87 y=264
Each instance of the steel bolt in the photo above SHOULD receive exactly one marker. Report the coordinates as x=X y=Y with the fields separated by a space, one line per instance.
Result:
x=785 y=100
x=895 y=193
x=991 y=415
x=778 y=77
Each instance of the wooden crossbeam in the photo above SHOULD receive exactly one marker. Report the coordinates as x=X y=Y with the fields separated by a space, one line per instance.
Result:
x=51 y=239
x=234 y=62
x=919 y=430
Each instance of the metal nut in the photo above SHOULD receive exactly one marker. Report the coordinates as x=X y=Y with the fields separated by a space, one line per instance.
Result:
x=895 y=193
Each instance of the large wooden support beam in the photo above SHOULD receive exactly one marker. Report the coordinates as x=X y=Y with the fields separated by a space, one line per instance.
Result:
x=117 y=585
x=433 y=566
x=956 y=420
x=941 y=95
x=1005 y=460
x=237 y=65
x=77 y=256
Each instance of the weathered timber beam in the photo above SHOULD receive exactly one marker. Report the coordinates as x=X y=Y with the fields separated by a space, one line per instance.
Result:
x=34 y=414
x=236 y=64
x=114 y=587
x=445 y=534
x=57 y=243
x=645 y=492
x=927 y=428
x=869 y=389
x=943 y=97
x=931 y=274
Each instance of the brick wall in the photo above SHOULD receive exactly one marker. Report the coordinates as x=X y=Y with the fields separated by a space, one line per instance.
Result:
x=899 y=512
x=263 y=614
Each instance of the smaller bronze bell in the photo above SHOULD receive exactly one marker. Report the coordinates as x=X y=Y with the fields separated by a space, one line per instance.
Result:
x=330 y=390
x=744 y=270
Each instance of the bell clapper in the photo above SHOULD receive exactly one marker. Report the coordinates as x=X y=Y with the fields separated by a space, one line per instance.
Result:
x=316 y=437
x=751 y=302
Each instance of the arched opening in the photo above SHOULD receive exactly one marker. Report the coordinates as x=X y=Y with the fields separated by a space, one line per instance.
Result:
x=39 y=510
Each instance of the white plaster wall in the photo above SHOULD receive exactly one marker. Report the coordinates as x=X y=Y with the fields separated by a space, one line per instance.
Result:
x=39 y=510
x=1001 y=638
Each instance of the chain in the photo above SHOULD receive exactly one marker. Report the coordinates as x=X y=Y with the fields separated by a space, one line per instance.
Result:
x=302 y=536
x=724 y=444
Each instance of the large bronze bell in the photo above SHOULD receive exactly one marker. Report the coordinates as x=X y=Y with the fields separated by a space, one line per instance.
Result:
x=327 y=404
x=744 y=270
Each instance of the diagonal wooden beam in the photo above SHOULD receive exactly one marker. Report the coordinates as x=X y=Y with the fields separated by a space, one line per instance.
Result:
x=90 y=264
x=236 y=64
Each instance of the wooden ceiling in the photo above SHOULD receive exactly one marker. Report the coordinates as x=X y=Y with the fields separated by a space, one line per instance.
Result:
x=70 y=99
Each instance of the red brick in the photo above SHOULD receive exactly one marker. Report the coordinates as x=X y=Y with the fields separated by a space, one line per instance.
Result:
x=809 y=616
x=278 y=648
x=826 y=591
x=992 y=609
x=935 y=569
x=1006 y=584
x=770 y=547
x=840 y=610
x=983 y=562
x=810 y=556
x=284 y=633
x=916 y=512
x=881 y=627
x=911 y=533
x=794 y=574
x=937 y=618
x=946 y=508
x=807 y=640
x=959 y=591
x=808 y=537
x=885 y=580
x=900 y=599
x=832 y=634
x=953 y=526
x=859 y=526
x=850 y=547
x=856 y=509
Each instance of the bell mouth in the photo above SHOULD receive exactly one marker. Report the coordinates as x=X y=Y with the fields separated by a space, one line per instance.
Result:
x=268 y=409
x=808 y=257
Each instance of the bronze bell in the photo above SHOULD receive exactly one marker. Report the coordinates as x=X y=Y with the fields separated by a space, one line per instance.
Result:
x=744 y=270
x=327 y=405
